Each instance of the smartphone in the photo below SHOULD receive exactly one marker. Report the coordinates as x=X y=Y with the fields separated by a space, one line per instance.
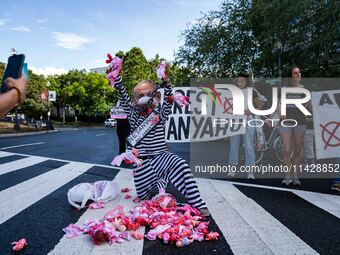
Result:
x=25 y=70
x=13 y=69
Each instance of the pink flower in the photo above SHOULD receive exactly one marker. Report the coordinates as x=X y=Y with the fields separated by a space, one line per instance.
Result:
x=19 y=245
x=72 y=230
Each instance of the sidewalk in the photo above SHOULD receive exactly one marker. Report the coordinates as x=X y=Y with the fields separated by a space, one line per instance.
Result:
x=28 y=133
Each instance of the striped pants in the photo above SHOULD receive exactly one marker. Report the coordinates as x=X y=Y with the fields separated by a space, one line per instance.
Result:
x=157 y=171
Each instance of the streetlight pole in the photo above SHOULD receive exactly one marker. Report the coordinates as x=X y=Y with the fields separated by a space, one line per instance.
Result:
x=48 y=102
x=17 y=123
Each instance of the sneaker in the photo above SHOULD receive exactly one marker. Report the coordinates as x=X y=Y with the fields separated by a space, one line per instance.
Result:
x=296 y=181
x=251 y=176
x=231 y=174
x=336 y=187
x=205 y=212
x=287 y=180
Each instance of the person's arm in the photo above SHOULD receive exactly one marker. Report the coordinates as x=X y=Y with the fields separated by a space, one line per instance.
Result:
x=15 y=95
x=124 y=99
x=8 y=101
x=168 y=100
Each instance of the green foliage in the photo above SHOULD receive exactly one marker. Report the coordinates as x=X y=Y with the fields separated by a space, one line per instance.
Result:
x=241 y=37
x=2 y=69
x=33 y=106
x=89 y=94
x=136 y=68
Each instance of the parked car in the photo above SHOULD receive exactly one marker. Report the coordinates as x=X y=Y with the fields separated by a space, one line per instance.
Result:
x=20 y=119
x=38 y=124
x=110 y=123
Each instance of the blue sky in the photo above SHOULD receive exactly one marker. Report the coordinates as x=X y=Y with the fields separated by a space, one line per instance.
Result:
x=60 y=35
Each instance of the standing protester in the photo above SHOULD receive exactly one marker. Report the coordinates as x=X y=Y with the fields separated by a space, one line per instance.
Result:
x=123 y=131
x=336 y=184
x=308 y=153
x=293 y=135
x=160 y=167
x=243 y=81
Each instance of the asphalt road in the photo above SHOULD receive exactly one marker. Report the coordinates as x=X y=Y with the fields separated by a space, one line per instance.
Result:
x=100 y=146
x=258 y=216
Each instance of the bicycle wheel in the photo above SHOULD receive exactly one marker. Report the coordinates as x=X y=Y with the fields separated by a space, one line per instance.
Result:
x=258 y=156
x=278 y=148
x=258 y=152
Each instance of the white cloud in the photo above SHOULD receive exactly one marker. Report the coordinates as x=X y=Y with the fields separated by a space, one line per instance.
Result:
x=49 y=70
x=70 y=40
x=100 y=61
x=182 y=3
x=21 y=29
x=3 y=22
x=42 y=20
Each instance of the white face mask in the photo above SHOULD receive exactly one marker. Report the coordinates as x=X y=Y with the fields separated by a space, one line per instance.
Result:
x=143 y=100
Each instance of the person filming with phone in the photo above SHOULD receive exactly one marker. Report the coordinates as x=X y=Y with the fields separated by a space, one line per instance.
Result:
x=15 y=95
x=14 y=83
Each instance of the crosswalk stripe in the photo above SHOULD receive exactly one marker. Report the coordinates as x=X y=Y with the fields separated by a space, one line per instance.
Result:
x=278 y=238
x=4 y=154
x=63 y=160
x=19 y=164
x=15 y=199
x=329 y=203
x=83 y=245
x=239 y=235
x=130 y=247
x=246 y=225
x=22 y=145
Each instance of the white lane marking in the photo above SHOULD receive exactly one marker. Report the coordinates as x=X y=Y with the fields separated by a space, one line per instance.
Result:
x=83 y=244
x=278 y=238
x=272 y=187
x=4 y=154
x=239 y=235
x=134 y=246
x=17 y=198
x=100 y=134
x=21 y=145
x=329 y=203
x=71 y=161
x=19 y=164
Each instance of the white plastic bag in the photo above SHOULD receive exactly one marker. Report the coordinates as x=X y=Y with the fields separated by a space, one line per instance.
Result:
x=80 y=193
x=105 y=191
x=100 y=191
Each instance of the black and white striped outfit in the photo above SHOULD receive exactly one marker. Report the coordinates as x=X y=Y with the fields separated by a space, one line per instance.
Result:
x=159 y=165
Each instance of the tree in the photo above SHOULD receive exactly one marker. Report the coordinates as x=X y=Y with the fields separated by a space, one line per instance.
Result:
x=33 y=106
x=136 y=68
x=241 y=36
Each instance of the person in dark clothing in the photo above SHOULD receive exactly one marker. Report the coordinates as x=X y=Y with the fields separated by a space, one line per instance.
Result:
x=123 y=131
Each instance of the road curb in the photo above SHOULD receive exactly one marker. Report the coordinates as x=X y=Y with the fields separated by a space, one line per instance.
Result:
x=29 y=133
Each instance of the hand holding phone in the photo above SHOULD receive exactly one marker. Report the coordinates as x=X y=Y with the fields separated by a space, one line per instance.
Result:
x=20 y=85
x=13 y=70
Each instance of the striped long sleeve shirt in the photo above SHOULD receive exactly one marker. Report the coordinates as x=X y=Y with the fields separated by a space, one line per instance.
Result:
x=154 y=142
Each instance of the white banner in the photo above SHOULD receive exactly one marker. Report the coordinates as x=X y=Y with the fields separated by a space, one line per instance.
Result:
x=190 y=124
x=326 y=118
x=52 y=96
x=117 y=112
